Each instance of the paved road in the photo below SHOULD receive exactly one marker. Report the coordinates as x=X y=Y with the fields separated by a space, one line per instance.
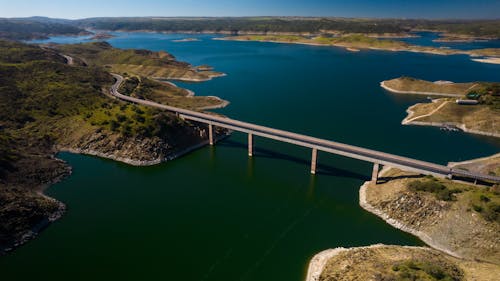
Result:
x=360 y=153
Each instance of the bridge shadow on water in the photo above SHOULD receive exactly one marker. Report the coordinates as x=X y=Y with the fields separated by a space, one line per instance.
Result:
x=321 y=169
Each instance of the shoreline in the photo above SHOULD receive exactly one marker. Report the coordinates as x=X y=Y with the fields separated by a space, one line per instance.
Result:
x=395 y=223
x=490 y=60
x=411 y=49
x=210 y=77
x=222 y=103
x=138 y=163
x=458 y=125
x=406 y=121
x=58 y=214
x=318 y=261
x=382 y=84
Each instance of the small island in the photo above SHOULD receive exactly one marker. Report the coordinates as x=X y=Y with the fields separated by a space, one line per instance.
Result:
x=101 y=36
x=186 y=40
x=472 y=107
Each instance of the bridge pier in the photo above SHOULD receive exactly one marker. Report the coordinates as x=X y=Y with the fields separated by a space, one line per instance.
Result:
x=376 y=168
x=314 y=158
x=250 y=145
x=211 y=134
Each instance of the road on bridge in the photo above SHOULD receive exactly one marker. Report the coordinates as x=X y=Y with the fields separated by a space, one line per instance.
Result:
x=360 y=153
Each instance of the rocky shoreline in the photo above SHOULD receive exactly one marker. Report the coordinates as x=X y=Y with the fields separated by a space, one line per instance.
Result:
x=56 y=215
x=395 y=223
x=472 y=260
x=133 y=162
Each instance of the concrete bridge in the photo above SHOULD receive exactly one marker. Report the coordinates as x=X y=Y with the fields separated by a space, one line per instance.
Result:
x=376 y=157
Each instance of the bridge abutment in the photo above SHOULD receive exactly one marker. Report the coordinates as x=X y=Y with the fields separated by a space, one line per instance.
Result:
x=314 y=158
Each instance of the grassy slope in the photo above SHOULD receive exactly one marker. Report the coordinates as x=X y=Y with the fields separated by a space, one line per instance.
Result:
x=165 y=93
x=396 y=263
x=416 y=85
x=45 y=103
x=481 y=118
x=484 y=117
x=136 y=62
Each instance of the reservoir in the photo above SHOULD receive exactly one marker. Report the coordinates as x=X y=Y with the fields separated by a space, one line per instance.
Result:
x=215 y=214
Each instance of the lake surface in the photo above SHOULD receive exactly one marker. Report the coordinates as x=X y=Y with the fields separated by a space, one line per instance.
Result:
x=215 y=214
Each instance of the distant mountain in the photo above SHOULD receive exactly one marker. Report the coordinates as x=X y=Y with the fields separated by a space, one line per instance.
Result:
x=41 y=27
x=36 y=28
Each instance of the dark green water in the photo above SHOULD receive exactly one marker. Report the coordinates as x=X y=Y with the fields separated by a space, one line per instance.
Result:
x=215 y=214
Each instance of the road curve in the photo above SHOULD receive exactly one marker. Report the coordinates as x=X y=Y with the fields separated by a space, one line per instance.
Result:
x=307 y=141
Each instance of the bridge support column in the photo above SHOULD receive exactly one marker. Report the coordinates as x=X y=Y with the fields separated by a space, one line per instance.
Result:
x=250 y=145
x=211 y=134
x=314 y=158
x=375 y=171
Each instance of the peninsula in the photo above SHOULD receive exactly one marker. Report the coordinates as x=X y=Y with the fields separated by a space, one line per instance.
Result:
x=460 y=221
x=354 y=42
x=479 y=116
x=56 y=98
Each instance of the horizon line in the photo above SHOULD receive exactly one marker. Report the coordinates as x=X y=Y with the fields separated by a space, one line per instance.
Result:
x=260 y=16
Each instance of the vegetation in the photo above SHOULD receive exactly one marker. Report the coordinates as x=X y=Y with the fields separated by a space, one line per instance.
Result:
x=38 y=27
x=477 y=28
x=398 y=263
x=432 y=185
x=253 y=24
x=351 y=40
x=482 y=118
x=422 y=270
x=46 y=104
x=484 y=200
x=32 y=28
x=410 y=84
x=137 y=62
x=166 y=93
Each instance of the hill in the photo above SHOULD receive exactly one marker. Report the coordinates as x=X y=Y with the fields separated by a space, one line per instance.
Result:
x=36 y=28
x=47 y=106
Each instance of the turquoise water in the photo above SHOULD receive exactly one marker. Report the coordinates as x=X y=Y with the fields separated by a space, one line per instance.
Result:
x=215 y=214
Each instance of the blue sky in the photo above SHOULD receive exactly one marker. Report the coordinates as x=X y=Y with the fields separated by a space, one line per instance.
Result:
x=339 y=8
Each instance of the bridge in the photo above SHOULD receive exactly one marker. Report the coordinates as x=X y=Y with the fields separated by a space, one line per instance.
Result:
x=315 y=144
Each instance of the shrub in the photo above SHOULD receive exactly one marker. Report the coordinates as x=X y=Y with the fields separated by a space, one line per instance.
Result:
x=121 y=118
x=433 y=186
x=114 y=125
x=491 y=212
x=139 y=118
x=484 y=198
x=477 y=208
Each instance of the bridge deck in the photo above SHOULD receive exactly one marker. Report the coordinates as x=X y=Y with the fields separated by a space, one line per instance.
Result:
x=311 y=142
